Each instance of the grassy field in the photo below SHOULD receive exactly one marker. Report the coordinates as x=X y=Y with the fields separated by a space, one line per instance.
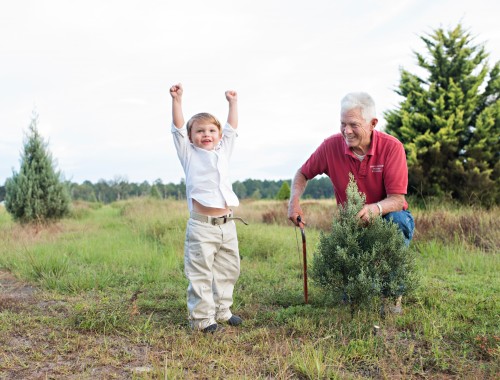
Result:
x=101 y=295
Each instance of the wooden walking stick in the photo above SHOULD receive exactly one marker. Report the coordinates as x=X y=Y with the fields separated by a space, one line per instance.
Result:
x=304 y=254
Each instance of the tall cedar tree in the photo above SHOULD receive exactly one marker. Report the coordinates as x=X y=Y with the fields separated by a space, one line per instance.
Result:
x=449 y=122
x=36 y=194
x=360 y=264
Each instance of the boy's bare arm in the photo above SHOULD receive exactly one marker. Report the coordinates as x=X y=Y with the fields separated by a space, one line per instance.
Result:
x=177 y=117
x=232 y=117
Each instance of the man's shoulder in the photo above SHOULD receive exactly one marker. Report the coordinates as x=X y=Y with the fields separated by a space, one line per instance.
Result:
x=333 y=143
x=334 y=139
x=386 y=138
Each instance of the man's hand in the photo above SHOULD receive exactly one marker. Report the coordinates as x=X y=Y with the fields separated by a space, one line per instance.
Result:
x=294 y=212
x=295 y=220
x=367 y=213
x=393 y=202
x=176 y=91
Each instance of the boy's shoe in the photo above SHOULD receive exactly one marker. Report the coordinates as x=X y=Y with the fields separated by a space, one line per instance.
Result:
x=211 y=329
x=234 y=320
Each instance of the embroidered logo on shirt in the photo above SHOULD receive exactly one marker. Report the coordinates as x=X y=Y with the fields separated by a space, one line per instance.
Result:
x=377 y=168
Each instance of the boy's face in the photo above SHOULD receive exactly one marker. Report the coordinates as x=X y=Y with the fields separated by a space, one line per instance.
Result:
x=204 y=135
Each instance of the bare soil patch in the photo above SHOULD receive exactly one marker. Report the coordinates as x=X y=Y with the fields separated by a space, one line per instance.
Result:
x=14 y=292
x=35 y=344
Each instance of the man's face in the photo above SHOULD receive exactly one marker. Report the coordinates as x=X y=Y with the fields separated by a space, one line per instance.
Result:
x=356 y=130
x=204 y=135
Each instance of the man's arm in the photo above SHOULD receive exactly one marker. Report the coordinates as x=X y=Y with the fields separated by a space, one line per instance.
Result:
x=232 y=117
x=299 y=184
x=393 y=202
x=177 y=117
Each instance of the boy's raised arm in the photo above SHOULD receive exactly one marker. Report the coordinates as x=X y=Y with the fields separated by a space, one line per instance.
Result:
x=177 y=117
x=232 y=117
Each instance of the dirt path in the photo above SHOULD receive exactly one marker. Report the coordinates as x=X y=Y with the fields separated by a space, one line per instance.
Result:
x=13 y=291
x=32 y=348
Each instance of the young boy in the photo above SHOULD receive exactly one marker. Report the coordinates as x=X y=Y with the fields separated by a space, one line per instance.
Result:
x=211 y=256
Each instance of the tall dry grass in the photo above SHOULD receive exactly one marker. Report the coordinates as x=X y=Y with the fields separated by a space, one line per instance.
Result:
x=475 y=228
x=446 y=223
x=318 y=213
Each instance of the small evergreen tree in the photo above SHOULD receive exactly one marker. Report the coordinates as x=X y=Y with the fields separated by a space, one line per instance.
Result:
x=36 y=194
x=449 y=122
x=284 y=192
x=256 y=194
x=357 y=263
x=155 y=193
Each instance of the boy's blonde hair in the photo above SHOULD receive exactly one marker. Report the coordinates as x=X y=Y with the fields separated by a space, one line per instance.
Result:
x=205 y=117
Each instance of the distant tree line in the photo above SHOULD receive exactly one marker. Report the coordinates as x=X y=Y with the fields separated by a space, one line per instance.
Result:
x=108 y=191
x=317 y=188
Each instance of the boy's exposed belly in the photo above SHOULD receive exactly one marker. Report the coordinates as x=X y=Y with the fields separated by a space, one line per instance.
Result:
x=210 y=211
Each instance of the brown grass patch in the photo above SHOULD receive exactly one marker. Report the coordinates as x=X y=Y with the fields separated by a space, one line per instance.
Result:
x=474 y=228
x=317 y=213
x=477 y=228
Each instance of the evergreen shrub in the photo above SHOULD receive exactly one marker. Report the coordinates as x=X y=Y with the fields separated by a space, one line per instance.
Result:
x=358 y=263
x=449 y=120
x=36 y=194
x=284 y=192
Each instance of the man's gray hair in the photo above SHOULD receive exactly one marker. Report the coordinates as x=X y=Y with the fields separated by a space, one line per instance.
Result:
x=360 y=100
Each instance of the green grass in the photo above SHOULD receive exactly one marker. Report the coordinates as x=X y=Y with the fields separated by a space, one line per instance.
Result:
x=111 y=303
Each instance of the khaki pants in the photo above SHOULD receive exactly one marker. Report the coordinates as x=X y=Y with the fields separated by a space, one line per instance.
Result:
x=212 y=266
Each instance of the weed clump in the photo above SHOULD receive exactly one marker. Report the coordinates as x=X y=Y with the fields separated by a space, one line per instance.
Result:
x=359 y=263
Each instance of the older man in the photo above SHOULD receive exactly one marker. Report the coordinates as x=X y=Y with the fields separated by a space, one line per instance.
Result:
x=376 y=159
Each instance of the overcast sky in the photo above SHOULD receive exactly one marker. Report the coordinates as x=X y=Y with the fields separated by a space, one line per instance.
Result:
x=98 y=74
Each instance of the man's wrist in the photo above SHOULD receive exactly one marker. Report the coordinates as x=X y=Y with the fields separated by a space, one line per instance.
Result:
x=379 y=206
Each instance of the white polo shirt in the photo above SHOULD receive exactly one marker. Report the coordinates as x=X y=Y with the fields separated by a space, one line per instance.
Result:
x=207 y=171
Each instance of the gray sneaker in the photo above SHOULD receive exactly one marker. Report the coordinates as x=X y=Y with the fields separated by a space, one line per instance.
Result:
x=234 y=320
x=211 y=329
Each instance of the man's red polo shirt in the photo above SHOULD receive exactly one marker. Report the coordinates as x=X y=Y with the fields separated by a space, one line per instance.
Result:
x=383 y=170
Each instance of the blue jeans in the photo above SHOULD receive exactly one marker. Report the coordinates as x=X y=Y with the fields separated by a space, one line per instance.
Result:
x=404 y=221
